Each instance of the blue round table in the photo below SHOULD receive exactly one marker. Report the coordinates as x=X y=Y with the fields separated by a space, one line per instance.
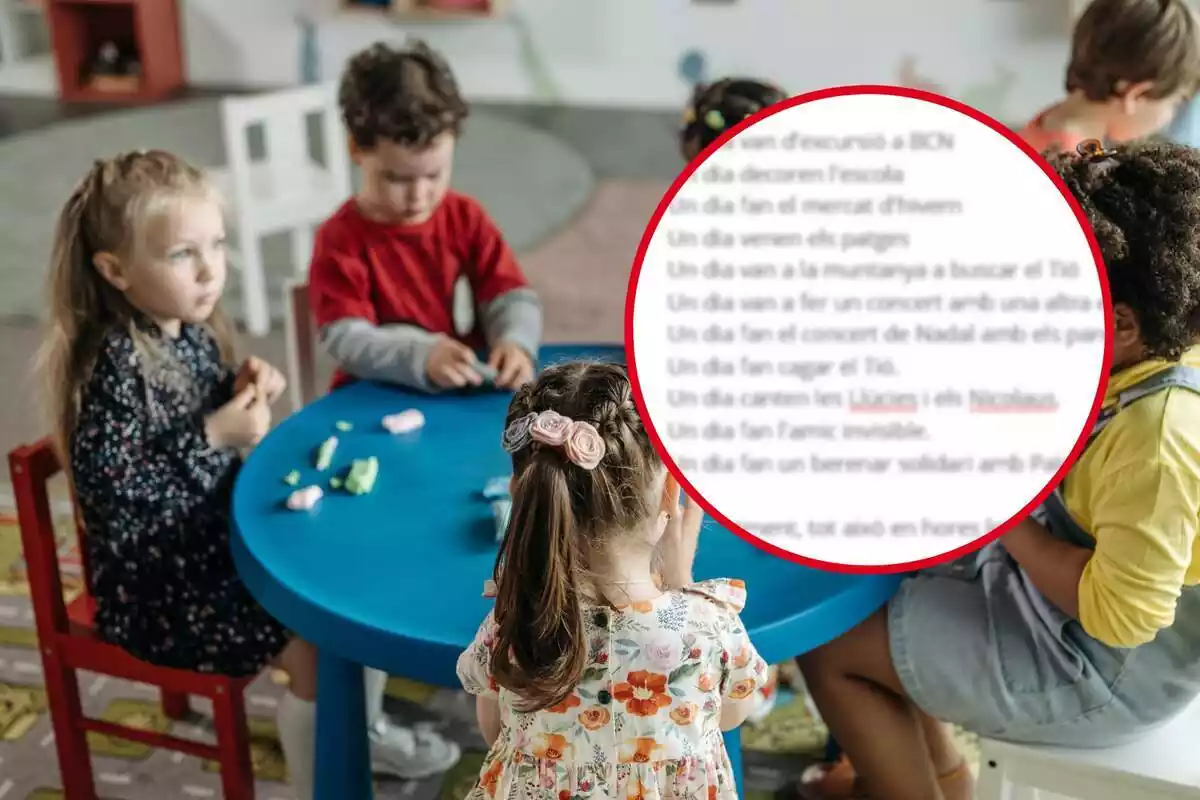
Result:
x=393 y=579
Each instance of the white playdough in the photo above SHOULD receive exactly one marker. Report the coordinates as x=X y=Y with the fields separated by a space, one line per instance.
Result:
x=404 y=422
x=304 y=499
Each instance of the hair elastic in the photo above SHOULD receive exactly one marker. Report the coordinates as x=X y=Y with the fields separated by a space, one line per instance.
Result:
x=1093 y=150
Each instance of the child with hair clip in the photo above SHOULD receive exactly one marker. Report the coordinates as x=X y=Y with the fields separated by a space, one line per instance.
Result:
x=1081 y=626
x=150 y=418
x=596 y=674
x=717 y=107
x=1133 y=64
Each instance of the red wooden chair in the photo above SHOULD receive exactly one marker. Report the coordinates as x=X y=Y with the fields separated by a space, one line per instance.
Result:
x=68 y=643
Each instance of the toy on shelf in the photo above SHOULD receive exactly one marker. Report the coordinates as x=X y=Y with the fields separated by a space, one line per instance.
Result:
x=114 y=68
x=435 y=9
x=126 y=51
x=459 y=6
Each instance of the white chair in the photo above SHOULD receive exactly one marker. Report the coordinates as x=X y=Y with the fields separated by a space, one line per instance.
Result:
x=301 y=340
x=288 y=190
x=1162 y=766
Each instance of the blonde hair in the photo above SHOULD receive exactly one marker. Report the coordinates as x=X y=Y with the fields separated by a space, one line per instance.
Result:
x=110 y=210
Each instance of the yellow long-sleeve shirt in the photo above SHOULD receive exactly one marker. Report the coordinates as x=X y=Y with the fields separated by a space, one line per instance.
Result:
x=1136 y=490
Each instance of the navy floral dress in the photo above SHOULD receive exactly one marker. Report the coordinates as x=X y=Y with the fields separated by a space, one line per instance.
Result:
x=155 y=503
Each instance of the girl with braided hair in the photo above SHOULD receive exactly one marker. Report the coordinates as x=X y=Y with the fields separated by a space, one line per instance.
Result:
x=604 y=671
x=717 y=107
x=152 y=416
x=1081 y=626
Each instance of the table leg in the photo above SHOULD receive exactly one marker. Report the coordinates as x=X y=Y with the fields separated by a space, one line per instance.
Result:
x=343 y=762
x=733 y=746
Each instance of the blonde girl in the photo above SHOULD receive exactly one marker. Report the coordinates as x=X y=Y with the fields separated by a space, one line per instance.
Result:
x=151 y=418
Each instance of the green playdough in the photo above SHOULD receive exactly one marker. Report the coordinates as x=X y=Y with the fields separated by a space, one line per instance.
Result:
x=363 y=473
x=325 y=453
x=343 y=426
x=292 y=478
x=335 y=483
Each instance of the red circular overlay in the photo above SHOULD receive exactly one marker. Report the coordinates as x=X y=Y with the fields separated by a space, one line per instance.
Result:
x=894 y=115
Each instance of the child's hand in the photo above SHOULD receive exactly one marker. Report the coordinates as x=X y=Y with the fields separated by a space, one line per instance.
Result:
x=240 y=423
x=680 y=536
x=260 y=373
x=513 y=365
x=451 y=365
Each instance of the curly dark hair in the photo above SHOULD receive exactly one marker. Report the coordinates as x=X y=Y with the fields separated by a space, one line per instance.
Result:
x=1143 y=202
x=716 y=107
x=406 y=95
x=1133 y=41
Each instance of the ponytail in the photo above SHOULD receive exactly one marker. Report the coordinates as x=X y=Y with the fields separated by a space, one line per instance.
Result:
x=541 y=647
x=76 y=310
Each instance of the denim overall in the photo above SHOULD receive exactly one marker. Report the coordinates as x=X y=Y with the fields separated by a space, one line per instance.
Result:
x=975 y=643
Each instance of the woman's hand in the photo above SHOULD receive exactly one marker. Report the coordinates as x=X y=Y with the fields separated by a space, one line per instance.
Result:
x=680 y=537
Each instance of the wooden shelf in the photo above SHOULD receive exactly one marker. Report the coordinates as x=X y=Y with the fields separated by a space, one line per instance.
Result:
x=150 y=28
x=429 y=10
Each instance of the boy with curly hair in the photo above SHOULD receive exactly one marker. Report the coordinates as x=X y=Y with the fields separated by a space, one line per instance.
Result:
x=386 y=265
x=1133 y=63
x=1080 y=627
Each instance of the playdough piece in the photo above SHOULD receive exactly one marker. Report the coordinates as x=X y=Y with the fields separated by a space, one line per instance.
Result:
x=325 y=453
x=304 y=499
x=404 y=422
x=501 y=510
x=486 y=371
x=363 y=473
x=292 y=478
x=496 y=488
x=335 y=483
x=343 y=426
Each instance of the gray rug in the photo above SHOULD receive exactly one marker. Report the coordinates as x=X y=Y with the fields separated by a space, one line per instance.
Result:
x=531 y=182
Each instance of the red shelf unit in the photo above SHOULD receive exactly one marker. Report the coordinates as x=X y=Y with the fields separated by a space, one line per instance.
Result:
x=79 y=27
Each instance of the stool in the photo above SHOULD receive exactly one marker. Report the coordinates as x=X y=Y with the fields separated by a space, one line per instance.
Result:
x=1163 y=765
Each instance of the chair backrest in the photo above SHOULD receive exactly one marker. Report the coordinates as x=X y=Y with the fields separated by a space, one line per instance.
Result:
x=31 y=468
x=284 y=117
x=301 y=336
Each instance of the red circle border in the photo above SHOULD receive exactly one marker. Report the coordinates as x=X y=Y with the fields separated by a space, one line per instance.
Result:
x=850 y=91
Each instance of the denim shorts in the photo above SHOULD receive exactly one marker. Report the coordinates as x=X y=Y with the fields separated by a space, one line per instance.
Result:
x=975 y=645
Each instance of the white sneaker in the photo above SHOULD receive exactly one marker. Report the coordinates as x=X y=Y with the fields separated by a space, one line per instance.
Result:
x=409 y=753
x=763 y=708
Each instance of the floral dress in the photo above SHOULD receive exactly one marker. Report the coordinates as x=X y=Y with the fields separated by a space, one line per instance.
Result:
x=155 y=501
x=644 y=721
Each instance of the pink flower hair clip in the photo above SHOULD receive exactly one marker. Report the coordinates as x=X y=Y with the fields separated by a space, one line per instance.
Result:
x=579 y=441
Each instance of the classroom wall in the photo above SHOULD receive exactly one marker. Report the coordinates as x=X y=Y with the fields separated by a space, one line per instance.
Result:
x=1005 y=57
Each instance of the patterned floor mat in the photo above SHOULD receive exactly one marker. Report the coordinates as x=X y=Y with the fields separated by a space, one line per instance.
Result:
x=777 y=749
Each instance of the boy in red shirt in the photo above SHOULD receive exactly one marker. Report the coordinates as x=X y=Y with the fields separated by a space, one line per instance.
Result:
x=385 y=265
x=1133 y=63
